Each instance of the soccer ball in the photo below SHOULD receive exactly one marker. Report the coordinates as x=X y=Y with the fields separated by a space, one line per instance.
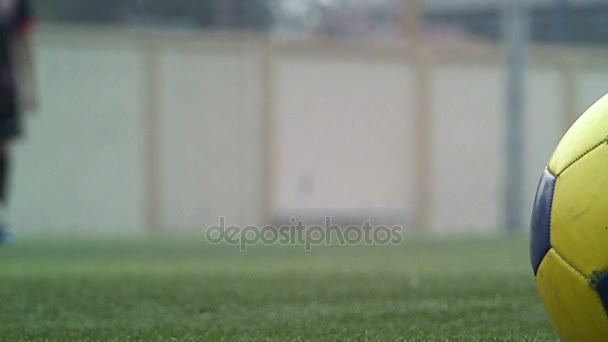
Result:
x=569 y=230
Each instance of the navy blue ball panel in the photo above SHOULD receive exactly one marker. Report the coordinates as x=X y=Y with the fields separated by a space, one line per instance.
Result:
x=602 y=289
x=540 y=226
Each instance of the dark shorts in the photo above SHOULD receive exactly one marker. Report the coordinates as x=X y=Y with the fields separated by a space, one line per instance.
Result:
x=10 y=123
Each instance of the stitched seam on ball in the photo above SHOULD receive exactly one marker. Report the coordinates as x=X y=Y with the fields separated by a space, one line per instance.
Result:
x=569 y=264
x=591 y=149
x=551 y=211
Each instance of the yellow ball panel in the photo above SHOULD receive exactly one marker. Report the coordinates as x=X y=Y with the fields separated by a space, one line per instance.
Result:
x=573 y=306
x=586 y=133
x=579 y=229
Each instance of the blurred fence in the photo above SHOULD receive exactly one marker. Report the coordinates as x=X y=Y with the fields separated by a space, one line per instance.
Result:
x=145 y=130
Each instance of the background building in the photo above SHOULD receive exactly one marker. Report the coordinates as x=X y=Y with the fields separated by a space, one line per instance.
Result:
x=335 y=112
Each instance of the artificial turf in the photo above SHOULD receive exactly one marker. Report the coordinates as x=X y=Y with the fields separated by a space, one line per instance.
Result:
x=457 y=289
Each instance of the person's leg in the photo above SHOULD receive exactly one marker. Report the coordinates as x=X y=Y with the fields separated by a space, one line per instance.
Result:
x=4 y=172
x=5 y=232
x=10 y=129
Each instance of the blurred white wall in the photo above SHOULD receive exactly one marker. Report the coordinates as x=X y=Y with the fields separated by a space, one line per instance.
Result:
x=142 y=128
x=345 y=137
x=211 y=155
x=468 y=154
x=80 y=166
x=85 y=163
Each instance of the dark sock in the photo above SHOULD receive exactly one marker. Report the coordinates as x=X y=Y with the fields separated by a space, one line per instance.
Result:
x=4 y=174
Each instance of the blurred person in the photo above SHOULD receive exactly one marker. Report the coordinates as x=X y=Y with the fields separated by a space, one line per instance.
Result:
x=17 y=89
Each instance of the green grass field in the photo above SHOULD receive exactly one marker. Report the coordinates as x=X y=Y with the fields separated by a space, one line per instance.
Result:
x=184 y=289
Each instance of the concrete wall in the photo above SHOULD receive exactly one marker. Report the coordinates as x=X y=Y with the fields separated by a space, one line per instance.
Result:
x=345 y=137
x=141 y=131
x=80 y=167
